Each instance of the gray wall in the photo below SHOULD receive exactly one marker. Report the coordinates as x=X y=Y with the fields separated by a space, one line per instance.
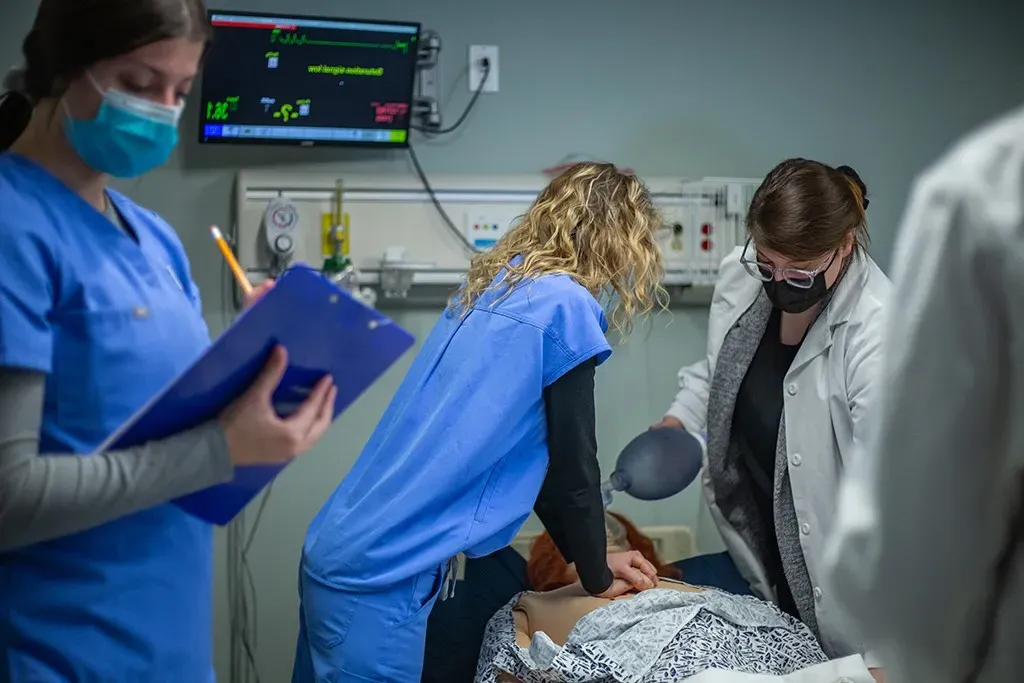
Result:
x=670 y=87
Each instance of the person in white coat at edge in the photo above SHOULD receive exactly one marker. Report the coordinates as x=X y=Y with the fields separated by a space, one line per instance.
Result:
x=927 y=550
x=784 y=391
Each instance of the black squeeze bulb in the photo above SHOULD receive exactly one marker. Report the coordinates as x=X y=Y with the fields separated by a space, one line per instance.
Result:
x=657 y=464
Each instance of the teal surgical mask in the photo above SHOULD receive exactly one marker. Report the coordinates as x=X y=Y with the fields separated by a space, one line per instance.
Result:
x=128 y=137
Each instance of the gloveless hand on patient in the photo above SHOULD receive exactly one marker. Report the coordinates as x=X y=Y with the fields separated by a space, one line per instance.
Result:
x=632 y=572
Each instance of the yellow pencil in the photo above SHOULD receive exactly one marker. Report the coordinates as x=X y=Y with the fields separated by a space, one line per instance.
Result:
x=232 y=262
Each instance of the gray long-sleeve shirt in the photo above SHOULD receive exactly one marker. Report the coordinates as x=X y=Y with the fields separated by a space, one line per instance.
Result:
x=44 y=496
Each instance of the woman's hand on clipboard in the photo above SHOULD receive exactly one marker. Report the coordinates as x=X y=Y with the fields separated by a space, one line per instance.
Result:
x=257 y=292
x=254 y=432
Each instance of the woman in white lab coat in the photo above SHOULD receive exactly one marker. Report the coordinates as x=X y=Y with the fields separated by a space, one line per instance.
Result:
x=929 y=535
x=784 y=390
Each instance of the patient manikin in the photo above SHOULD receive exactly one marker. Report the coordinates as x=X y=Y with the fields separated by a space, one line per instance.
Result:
x=671 y=633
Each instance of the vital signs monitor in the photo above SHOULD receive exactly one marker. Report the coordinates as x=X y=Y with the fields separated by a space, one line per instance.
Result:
x=274 y=79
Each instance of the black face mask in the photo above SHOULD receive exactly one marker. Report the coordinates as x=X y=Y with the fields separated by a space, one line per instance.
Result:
x=790 y=299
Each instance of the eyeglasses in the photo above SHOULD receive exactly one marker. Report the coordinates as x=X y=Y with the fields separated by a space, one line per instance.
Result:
x=765 y=272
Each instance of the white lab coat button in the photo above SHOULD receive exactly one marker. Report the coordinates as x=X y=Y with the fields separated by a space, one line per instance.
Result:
x=817 y=596
x=805 y=528
x=845 y=680
x=791 y=389
x=796 y=460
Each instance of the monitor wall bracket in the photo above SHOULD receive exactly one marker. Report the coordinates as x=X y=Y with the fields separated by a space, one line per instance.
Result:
x=427 y=100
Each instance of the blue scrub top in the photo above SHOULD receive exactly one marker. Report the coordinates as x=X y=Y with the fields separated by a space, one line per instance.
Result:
x=459 y=456
x=110 y=321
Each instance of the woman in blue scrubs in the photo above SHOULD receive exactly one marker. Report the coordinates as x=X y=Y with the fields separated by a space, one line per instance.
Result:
x=494 y=419
x=101 y=579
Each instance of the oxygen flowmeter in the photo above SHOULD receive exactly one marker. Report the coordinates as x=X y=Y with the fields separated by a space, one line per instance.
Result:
x=337 y=264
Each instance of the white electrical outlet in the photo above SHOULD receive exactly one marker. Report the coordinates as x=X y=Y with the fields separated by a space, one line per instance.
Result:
x=477 y=54
x=485 y=227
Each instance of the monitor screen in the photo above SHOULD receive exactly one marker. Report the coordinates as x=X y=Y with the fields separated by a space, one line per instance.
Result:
x=274 y=79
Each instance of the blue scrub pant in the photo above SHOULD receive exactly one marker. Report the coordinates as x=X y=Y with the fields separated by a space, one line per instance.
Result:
x=346 y=636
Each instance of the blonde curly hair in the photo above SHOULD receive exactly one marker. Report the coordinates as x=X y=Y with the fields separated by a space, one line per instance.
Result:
x=595 y=225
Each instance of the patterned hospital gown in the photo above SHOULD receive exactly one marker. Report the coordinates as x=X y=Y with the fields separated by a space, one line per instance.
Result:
x=659 y=636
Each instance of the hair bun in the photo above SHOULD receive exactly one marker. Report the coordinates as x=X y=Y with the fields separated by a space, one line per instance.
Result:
x=15 y=114
x=15 y=81
x=855 y=177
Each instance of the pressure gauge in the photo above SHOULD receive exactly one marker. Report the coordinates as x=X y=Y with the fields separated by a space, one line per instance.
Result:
x=281 y=220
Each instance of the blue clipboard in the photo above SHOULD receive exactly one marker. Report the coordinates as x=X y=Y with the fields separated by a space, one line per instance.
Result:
x=325 y=330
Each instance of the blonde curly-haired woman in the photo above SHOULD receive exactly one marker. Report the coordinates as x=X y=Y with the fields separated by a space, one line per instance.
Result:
x=495 y=418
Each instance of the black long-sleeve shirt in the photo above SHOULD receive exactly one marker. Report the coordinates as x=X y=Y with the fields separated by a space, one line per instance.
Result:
x=570 y=504
x=756 y=419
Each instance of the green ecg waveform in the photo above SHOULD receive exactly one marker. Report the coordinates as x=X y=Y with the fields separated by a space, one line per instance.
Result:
x=279 y=37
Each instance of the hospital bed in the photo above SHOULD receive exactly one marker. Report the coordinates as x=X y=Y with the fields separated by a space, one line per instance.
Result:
x=456 y=630
x=787 y=653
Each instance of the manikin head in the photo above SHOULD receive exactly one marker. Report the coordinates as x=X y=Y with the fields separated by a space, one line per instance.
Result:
x=547 y=570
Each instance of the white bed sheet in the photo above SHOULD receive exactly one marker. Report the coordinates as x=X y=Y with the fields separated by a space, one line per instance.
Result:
x=850 y=669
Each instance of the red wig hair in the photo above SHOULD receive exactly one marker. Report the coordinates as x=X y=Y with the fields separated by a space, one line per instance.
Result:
x=547 y=569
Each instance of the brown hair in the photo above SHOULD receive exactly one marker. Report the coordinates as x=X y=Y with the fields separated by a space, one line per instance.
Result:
x=805 y=209
x=546 y=570
x=69 y=36
x=592 y=223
